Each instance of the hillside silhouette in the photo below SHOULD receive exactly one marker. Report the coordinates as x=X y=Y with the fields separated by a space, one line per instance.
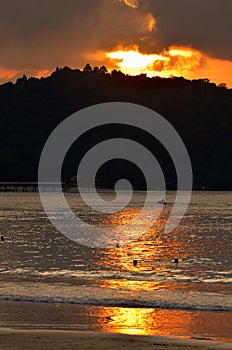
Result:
x=199 y=110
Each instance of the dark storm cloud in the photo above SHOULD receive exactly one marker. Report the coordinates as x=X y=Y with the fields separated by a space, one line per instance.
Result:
x=203 y=24
x=43 y=33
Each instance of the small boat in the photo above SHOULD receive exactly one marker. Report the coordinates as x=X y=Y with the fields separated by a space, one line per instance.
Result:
x=162 y=201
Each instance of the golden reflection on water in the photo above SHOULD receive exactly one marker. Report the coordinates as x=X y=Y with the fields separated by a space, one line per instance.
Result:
x=134 y=286
x=142 y=321
x=126 y=320
x=122 y=217
x=154 y=250
x=148 y=321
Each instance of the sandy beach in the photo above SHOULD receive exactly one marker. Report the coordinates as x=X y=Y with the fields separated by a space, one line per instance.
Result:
x=70 y=340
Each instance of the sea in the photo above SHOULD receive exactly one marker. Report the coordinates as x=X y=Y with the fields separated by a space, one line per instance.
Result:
x=138 y=287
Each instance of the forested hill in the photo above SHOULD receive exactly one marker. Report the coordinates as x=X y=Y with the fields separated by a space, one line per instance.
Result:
x=199 y=110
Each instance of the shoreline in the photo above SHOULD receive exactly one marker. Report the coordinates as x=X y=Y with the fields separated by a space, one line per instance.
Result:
x=44 y=317
x=59 y=340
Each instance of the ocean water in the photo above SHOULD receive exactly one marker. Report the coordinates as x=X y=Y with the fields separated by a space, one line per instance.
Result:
x=40 y=265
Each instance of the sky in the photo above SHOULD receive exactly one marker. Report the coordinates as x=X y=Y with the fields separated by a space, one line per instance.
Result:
x=190 y=38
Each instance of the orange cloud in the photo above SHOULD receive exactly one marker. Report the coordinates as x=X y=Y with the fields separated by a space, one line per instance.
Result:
x=151 y=22
x=13 y=75
x=175 y=61
x=43 y=73
x=131 y=3
x=7 y=74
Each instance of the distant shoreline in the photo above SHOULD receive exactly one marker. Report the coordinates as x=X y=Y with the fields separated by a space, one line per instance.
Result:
x=73 y=189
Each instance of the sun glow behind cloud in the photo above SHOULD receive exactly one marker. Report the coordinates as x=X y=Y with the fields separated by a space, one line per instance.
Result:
x=133 y=62
x=175 y=61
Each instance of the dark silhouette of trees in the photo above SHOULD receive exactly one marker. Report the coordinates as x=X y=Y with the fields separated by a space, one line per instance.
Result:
x=103 y=70
x=96 y=70
x=87 y=68
x=200 y=111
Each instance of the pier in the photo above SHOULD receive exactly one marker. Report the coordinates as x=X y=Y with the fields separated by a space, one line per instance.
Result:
x=32 y=186
x=45 y=186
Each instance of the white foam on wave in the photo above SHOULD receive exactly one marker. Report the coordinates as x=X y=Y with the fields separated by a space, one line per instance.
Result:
x=162 y=303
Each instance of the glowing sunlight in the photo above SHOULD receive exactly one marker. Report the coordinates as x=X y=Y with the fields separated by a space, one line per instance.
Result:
x=175 y=61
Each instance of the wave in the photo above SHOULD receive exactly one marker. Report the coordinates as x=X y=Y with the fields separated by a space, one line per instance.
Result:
x=135 y=303
x=176 y=276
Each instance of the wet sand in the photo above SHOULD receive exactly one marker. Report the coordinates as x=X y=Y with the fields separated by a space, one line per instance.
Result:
x=24 y=315
x=75 y=340
x=43 y=326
